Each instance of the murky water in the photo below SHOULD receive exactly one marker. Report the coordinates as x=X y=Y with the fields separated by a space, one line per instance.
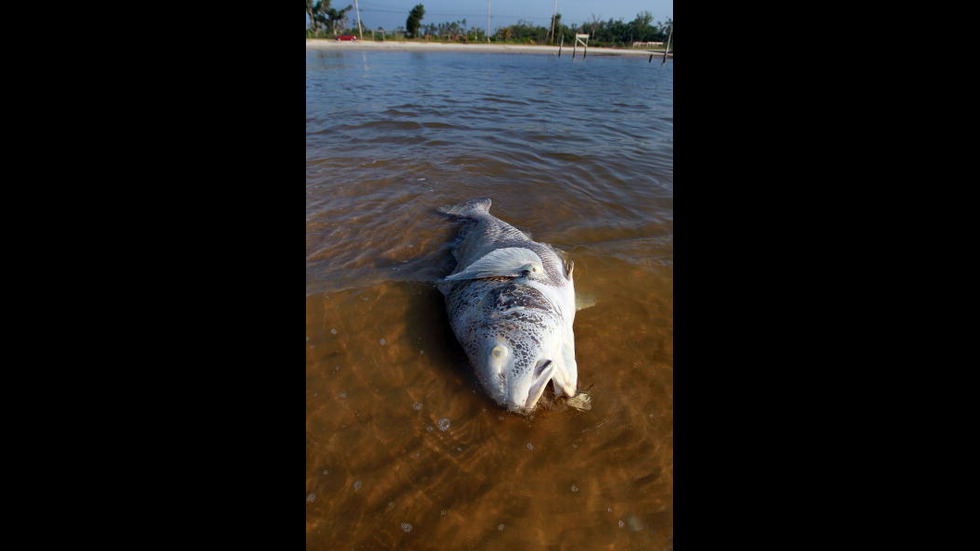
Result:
x=403 y=451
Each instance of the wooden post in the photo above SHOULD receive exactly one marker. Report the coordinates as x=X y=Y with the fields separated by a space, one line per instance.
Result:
x=585 y=44
x=561 y=44
x=667 y=46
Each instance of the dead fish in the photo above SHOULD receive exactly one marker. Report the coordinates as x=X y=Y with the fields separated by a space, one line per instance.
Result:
x=511 y=304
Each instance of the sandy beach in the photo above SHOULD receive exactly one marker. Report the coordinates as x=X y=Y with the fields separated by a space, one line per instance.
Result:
x=485 y=48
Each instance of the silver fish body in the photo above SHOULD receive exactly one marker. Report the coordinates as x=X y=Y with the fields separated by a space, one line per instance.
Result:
x=511 y=304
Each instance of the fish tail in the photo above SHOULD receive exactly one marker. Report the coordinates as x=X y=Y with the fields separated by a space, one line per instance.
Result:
x=468 y=209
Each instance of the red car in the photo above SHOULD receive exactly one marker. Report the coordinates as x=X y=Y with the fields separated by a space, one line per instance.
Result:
x=347 y=37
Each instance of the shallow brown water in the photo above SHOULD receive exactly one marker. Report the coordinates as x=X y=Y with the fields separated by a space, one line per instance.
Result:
x=403 y=450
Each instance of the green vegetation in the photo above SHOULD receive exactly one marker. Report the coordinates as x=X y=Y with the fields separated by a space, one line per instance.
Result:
x=414 y=20
x=325 y=22
x=613 y=34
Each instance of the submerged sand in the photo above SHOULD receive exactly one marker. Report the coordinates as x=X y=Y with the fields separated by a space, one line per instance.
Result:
x=486 y=48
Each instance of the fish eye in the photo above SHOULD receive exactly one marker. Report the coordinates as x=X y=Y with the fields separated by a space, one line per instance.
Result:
x=498 y=352
x=531 y=269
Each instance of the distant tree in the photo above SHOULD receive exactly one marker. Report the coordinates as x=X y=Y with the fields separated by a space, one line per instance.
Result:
x=322 y=16
x=641 y=28
x=414 y=20
x=311 y=11
x=643 y=19
x=555 y=27
x=332 y=17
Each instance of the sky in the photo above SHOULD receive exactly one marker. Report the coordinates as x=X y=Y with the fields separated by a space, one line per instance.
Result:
x=392 y=13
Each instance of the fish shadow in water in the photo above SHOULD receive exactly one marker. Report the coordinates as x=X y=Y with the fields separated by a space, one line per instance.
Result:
x=429 y=328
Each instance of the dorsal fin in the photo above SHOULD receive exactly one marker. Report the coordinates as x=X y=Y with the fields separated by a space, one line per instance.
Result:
x=506 y=262
x=469 y=209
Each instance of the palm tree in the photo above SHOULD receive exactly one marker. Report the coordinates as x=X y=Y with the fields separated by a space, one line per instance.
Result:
x=311 y=13
x=320 y=13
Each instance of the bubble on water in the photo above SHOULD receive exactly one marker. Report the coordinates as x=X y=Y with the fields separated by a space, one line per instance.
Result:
x=530 y=446
x=417 y=406
x=383 y=342
x=621 y=523
x=406 y=527
x=342 y=395
x=357 y=485
x=326 y=471
x=608 y=509
x=333 y=331
x=500 y=527
x=443 y=513
x=429 y=428
x=311 y=497
x=444 y=424
x=574 y=488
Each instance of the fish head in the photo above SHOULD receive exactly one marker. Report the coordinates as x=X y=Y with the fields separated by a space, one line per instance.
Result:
x=518 y=345
x=515 y=378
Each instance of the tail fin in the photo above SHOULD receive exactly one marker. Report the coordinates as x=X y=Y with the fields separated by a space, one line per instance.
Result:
x=468 y=209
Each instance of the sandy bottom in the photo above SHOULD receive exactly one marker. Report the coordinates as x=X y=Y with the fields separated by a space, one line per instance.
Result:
x=486 y=48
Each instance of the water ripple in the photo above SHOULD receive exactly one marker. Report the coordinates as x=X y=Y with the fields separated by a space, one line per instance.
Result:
x=579 y=139
x=402 y=448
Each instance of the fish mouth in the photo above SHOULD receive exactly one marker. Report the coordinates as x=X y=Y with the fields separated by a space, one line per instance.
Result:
x=543 y=372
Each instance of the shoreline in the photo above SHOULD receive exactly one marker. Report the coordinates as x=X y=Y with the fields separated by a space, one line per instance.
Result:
x=398 y=45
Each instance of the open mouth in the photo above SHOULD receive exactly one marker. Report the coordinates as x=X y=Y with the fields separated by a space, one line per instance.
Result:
x=542 y=372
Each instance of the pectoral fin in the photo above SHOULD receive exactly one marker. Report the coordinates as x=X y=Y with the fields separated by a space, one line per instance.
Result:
x=506 y=262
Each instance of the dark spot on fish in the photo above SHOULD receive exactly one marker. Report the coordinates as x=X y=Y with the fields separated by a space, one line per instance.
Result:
x=517 y=295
